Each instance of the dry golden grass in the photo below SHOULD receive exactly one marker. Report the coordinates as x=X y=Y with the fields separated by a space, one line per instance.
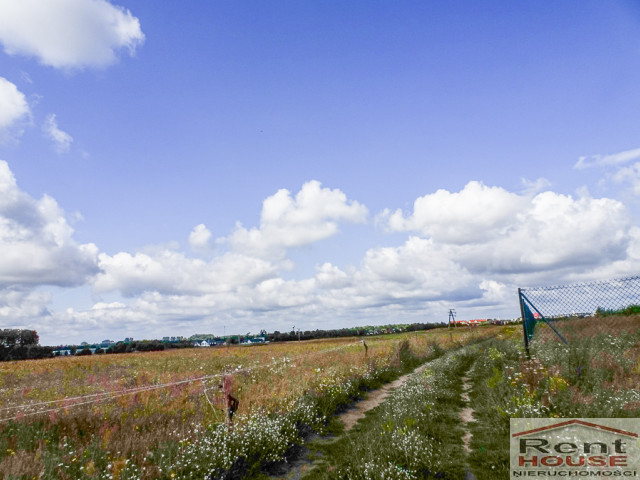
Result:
x=588 y=327
x=266 y=377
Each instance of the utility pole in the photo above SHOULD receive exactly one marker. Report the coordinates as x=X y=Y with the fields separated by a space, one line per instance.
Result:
x=452 y=317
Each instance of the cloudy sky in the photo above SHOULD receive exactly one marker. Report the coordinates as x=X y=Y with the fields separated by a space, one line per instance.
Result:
x=171 y=168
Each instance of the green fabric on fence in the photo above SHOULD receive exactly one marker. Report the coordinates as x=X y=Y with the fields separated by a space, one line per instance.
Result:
x=529 y=322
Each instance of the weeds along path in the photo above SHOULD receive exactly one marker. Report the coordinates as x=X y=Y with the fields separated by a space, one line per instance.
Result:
x=594 y=376
x=451 y=420
x=415 y=433
x=466 y=417
x=373 y=399
x=342 y=423
x=159 y=415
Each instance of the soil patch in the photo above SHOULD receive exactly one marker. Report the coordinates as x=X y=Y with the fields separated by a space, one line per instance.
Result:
x=466 y=414
x=374 y=398
x=296 y=468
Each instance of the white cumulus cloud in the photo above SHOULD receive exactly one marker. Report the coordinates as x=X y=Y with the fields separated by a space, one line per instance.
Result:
x=476 y=213
x=61 y=140
x=557 y=232
x=199 y=237
x=490 y=230
x=19 y=307
x=14 y=109
x=416 y=272
x=287 y=221
x=468 y=250
x=37 y=242
x=68 y=33
x=173 y=273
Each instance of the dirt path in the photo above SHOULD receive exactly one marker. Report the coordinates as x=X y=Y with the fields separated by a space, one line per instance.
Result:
x=466 y=415
x=374 y=398
x=298 y=467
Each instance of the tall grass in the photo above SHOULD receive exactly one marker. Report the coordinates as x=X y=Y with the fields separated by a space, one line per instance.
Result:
x=416 y=433
x=596 y=375
x=156 y=433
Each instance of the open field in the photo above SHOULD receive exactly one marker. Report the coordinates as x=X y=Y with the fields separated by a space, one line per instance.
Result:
x=596 y=375
x=579 y=328
x=420 y=431
x=158 y=415
x=154 y=415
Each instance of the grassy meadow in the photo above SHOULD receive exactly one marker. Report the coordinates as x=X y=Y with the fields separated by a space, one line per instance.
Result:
x=418 y=433
x=161 y=415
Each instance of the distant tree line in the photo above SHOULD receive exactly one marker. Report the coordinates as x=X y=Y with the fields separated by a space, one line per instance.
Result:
x=146 y=346
x=128 y=347
x=627 y=311
x=349 y=332
x=139 y=346
x=23 y=344
x=18 y=344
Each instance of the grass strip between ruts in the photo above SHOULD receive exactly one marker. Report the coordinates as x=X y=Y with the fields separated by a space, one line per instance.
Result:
x=416 y=433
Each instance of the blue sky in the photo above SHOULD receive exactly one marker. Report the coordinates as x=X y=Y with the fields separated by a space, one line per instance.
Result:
x=180 y=167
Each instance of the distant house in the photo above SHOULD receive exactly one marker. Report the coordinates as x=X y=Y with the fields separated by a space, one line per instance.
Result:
x=203 y=343
x=254 y=340
x=474 y=322
x=479 y=321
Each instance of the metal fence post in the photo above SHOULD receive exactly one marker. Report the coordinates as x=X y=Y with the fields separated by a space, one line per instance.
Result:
x=524 y=324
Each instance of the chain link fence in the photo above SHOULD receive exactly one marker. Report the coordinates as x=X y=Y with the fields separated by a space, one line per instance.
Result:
x=568 y=313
